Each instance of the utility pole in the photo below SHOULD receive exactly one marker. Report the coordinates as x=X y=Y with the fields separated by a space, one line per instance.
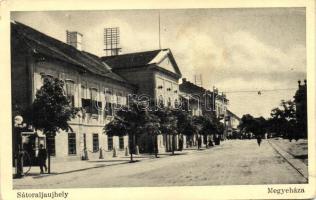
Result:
x=159 y=29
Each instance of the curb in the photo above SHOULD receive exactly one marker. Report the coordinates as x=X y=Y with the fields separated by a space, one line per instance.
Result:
x=298 y=165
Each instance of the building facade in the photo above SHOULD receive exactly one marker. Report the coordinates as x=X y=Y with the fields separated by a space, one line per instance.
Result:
x=156 y=76
x=95 y=85
x=232 y=123
x=89 y=84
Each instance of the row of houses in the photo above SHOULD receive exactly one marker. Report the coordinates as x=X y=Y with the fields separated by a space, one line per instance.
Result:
x=106 y=80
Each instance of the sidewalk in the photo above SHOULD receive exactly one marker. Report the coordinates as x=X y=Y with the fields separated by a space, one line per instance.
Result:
x=70 y=166
x=296 y=163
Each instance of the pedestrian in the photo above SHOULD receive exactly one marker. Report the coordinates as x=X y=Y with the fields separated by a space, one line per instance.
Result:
x=259 y=140
x=199 y=142
x=42 y=156
x=180 y=143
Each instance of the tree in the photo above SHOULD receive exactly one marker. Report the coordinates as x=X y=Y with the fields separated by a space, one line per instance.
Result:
x=129 y=121
x=152 y=127
x=249 y=124
x=200 y=122
x=51 y=110
x=168 y=123
x=283 y=121
x=184 y=124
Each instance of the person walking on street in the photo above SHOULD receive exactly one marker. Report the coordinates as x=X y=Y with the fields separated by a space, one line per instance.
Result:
x=199 y=142
x=259 y=140
x=42 y=156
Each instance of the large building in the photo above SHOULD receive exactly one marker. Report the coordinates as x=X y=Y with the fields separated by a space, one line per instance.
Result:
x=156 y=76
x=98 y=85
x=36 y=56
x=89 y=80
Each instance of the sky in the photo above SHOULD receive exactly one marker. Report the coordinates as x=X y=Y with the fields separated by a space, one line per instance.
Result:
x=234 y=49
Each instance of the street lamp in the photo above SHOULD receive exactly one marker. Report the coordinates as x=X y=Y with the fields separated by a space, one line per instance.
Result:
x=18 y=158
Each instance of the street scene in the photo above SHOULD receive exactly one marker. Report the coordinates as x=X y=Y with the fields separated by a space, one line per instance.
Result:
x=220 y=165
x=146 y=98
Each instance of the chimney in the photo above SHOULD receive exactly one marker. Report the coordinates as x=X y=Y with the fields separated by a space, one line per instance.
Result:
x=74 y=39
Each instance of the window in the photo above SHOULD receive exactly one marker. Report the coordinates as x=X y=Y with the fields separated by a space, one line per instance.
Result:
x=119 y=98
x=83 y=92
x=72 y=143
x=85 y=103
x=110 y=143
x=169 y=102
x=160 y=102
x=51 y=145
x=94 y=102
x=121 y=142
x=46 y=76
x=70 y=92
x=91 y=105
x=95 y=142
x=176 y=104
x=108 y=109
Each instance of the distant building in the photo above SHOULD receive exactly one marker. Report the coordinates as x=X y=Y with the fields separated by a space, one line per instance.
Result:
x=200 y=101
x=194 y=99
x=300 y=100
x=232 y=123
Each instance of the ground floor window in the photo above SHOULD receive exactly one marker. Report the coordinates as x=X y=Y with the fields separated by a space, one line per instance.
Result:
x=121 y=142
x=72 y=143
x=110 y=143
x=95 y=142
x=51 y=145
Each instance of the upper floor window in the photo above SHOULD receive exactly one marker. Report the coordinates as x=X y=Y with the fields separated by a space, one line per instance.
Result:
x=108 y=109
x=83 y=92
x=70 y=91
x=119 y=98
x=95 y=104
x=46 y=77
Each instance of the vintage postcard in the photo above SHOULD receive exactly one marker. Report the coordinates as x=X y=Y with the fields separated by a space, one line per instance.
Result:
x=158 y=100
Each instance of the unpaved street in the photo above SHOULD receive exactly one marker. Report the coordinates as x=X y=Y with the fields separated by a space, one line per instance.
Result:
x=232 y=163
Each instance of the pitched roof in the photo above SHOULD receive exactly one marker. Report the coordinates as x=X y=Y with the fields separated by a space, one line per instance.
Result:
x=188 y=87
x=51 y=47
x=233 y=114
x=191 y=88
x=140 y=59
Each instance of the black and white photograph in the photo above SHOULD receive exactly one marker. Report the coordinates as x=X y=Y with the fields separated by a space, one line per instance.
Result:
x=129 y=98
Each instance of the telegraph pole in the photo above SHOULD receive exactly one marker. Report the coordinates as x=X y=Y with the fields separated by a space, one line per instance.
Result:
x=159 y=30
